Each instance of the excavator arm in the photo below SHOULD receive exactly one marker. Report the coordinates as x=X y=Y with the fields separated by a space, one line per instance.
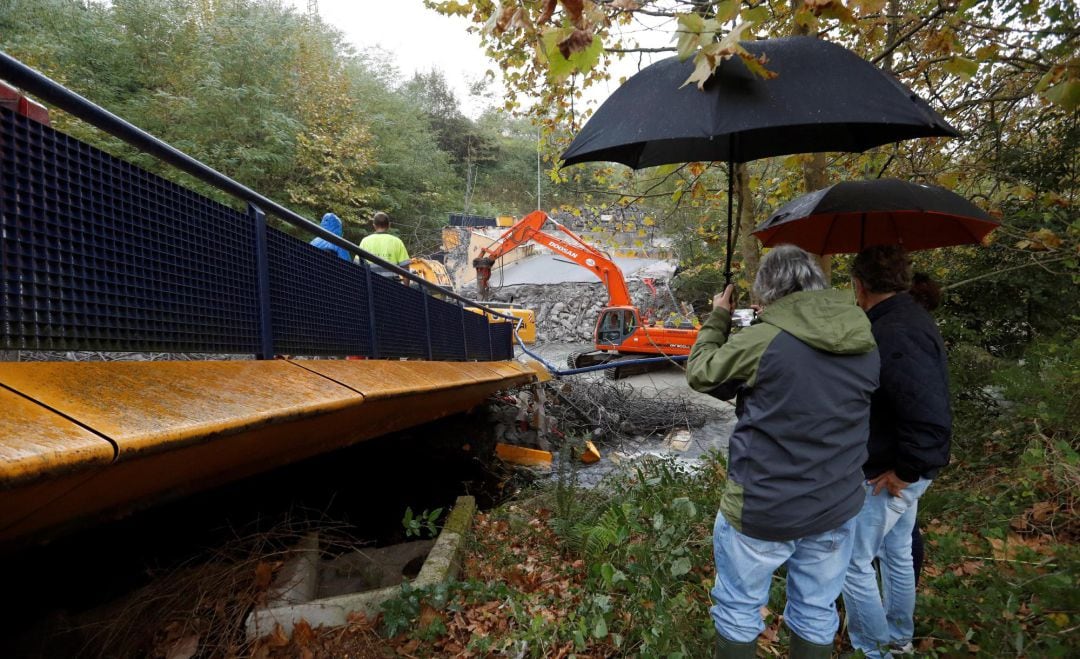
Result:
x=568 y=244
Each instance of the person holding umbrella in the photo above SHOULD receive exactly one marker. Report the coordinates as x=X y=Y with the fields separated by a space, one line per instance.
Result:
x=910 y=432
x=802 y=378
x=910 y=417
x=823 y=98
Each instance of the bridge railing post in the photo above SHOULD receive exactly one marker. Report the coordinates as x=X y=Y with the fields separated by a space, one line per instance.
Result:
x=262 y=284
x=464 y=331
x=491 y=341
x=371 y=310
x=427 y=328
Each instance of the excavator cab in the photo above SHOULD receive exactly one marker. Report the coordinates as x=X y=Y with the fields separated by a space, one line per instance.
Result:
x=615 y=325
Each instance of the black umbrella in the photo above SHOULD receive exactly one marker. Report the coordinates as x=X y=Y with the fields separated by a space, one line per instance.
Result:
x=824 y=98
x=848 y=216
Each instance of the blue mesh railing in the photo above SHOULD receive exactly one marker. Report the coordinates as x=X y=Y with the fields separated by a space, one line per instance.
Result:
x=98 y=254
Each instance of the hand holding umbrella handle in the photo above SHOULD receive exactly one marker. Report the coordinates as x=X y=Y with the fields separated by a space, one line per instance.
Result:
x=726 y=299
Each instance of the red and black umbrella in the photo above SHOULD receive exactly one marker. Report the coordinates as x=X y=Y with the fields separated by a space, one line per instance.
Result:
x=824 y=98
x=846 y=217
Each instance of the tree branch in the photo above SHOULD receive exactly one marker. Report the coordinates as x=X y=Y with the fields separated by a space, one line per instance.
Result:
x=664 y=49
x=907 y=35
x=1034 y=262
x=993 y=99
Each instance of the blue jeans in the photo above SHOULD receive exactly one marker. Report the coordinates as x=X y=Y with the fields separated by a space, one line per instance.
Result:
x=878 y=619
x=744 y=569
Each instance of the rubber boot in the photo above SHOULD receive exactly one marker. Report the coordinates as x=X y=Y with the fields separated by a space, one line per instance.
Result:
x=804 y=649
x=726 y=649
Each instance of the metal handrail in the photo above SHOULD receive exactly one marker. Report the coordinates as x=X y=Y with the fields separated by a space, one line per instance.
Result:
x=52 y=92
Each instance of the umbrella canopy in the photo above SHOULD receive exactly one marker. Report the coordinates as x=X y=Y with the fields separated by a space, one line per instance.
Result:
x=848 y=216
x=824 y=98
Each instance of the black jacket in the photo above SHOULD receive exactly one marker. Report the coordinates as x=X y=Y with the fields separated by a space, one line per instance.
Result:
x=910 y=413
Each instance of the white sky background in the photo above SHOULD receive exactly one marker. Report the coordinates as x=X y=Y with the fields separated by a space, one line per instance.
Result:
x=420 y=40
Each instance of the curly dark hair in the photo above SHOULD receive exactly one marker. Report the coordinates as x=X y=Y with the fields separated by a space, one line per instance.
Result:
x=926 y=291
x=883 y=269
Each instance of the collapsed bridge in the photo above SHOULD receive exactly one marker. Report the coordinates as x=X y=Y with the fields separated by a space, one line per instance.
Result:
x=97 y=254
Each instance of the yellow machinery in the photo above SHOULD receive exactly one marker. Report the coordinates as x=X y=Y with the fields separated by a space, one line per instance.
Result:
x=432 y=271
x=527 y=327
x=436 y=273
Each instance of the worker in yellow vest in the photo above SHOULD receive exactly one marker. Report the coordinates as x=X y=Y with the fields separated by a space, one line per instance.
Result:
x=384 y=244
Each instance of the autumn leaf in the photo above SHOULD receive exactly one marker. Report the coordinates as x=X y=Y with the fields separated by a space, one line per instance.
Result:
x=302 y=633
x=1066 y=94
x=870 y=6
x=830 y=9
x=500 y=19
x=968 y=568
x=948 y=179
x=706 y=61
x=549 y=10
x=428 y=615
x=806 y=20
x=692 y=32
x=183 y=648
x=264 y=574
x=757 y=65
x=578 y=41
x=758 y=14
x=277 y=638
x=573 y=9
x=1042 y=511
x=1042 y=240
x=961 y=67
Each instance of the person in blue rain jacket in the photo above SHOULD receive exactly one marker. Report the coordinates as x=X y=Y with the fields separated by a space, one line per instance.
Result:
x=331 y=223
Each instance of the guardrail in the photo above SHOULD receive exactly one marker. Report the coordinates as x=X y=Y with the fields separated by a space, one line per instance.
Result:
x=98 y=254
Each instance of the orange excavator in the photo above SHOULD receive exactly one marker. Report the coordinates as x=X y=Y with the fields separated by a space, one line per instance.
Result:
x=620 y=333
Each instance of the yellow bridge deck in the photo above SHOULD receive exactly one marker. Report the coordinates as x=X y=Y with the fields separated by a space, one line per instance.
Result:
x=86 y=439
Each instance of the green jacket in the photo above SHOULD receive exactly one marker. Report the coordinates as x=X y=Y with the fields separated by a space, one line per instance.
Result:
x=803 y=376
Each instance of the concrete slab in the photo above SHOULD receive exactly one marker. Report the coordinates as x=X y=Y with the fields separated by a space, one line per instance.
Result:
x=442 y=564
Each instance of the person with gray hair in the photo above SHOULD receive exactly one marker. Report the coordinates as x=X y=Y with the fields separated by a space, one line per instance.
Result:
x=802 y=377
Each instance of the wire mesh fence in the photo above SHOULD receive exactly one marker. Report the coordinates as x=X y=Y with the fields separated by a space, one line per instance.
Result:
x=97 y=254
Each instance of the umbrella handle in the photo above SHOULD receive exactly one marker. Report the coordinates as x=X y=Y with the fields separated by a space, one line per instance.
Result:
x=730 y=195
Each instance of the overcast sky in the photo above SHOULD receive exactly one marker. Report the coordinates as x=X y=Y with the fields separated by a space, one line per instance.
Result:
x=421 y=40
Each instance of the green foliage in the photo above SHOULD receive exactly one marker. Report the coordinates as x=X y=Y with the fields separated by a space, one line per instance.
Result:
x=697 y=285
x=456 y=134
x=1000 y=525
x=420 y=525
x=1000 y=522
x=277 y=100
x=645 y=538
x=1045 y=384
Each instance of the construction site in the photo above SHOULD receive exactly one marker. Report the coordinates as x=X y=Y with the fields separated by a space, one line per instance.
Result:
x=167 y=494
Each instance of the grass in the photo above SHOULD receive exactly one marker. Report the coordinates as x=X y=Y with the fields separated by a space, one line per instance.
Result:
x=625 y=569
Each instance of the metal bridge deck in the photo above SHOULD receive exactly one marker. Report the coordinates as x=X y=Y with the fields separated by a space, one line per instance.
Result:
x=81 y=440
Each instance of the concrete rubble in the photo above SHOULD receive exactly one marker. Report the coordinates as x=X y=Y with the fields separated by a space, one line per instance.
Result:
x=567 y=313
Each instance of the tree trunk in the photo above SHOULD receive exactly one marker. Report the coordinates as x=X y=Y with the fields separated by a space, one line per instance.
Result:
x=814 y=177
x=749 y=247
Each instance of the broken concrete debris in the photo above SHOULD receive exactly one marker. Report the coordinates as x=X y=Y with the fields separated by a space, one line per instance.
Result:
x=377 y=573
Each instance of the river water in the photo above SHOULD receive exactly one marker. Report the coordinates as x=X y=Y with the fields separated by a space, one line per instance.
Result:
x=686 y=445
